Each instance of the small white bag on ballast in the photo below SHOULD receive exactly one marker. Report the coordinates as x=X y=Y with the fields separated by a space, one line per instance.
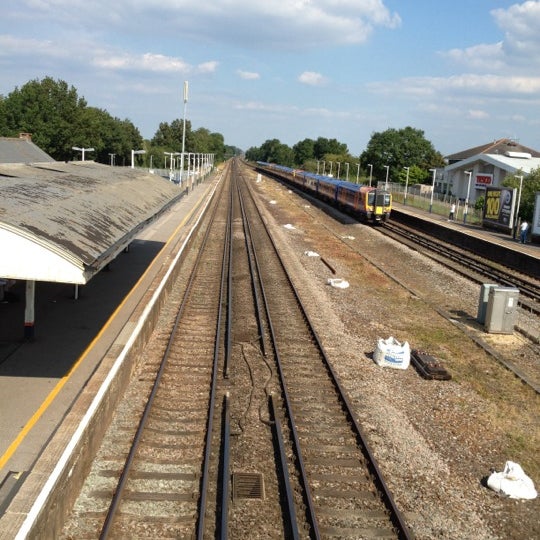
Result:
x=391 y=353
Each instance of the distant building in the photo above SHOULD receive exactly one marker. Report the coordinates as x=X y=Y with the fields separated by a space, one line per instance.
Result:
x=489 y=165
x=21 y=149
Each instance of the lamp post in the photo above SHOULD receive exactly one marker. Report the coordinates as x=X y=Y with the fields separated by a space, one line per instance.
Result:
x=466 y=209
x=184 y=132
x=432 y=190
x=347 y=172
x=317 y=166
x=83 y=150
x=358 y=172
x=518 y=204
x=323 y=167
x=370 y=173
x=406 y=185
x=133 y=152
x=387 y=167
x=112 y=158
x=338 y=168
x=330 y=173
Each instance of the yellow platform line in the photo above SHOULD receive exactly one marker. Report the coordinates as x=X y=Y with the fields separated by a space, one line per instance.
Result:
x=54 y=392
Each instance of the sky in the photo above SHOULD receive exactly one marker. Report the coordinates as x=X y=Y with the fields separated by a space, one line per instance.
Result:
x=465 y=72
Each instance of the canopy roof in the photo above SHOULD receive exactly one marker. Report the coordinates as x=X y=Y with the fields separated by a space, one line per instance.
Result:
x=63 y=222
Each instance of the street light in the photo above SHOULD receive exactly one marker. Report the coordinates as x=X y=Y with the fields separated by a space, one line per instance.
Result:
x=370 y=173
x=133 y=152
x=347 y=173
x=112 y=156
x=387 y=167
x=466 y=209
x=323 y=167
x=184 y=132
x=432 y=189
x=83 y=150
x=338 y=168
x=358 y=172
x=330 y=173
x=406 y=185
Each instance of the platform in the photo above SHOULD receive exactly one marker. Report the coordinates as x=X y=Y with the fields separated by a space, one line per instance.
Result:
x=41 y=378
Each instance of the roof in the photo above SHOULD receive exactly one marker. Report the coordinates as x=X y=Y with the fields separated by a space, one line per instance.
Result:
x=507 y=163
x=64 y=221
x=21 y=150
x=500 y=146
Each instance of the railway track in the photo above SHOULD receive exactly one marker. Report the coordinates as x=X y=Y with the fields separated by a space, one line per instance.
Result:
x=246 y=431
x=468 y=264
x=463 y=263
x=329 y=463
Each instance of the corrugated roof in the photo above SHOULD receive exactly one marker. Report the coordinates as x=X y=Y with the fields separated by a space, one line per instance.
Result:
x=64 y=221
x=21 y=150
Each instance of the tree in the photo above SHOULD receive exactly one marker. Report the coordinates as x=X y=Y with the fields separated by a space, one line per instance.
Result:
x=170 y=135
x=272 y=151
x=323 y=147
x=399 y=148
x=303 y=151
x=49 y=110
x=530 y=185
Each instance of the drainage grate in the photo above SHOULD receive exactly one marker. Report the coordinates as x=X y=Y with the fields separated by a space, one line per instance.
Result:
x=248 y=486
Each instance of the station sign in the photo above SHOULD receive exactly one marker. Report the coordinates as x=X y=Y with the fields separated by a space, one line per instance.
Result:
x=483 y=180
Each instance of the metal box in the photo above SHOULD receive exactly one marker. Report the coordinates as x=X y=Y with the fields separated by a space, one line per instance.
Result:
x=483 y=301
x=501 y=310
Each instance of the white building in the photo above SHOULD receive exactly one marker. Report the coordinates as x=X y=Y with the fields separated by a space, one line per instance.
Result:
x=488 y=165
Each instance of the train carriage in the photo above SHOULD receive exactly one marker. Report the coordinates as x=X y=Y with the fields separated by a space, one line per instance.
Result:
x=369 y=204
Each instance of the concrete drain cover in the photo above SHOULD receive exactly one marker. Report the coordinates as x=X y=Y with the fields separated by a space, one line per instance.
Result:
x=248 y=486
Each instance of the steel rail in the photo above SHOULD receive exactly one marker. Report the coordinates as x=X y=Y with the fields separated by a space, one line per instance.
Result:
x=117 y=496
x=225 y=271
x=397 y=518
x=289 y=492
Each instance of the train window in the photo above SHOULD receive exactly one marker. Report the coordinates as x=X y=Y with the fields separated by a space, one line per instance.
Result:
x=371 y=198
x=383 y=198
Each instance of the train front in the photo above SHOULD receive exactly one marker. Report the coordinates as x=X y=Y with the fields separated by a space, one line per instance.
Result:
x=379 y=205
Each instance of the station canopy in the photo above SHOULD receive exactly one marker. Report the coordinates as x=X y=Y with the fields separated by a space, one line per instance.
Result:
x=64 y=221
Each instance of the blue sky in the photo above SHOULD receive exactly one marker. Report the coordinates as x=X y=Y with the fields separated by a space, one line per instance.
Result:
x=464 y=71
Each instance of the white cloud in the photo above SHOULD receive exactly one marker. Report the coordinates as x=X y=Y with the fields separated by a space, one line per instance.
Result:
x=312 y=78
x=520 y=48
x=248 y=75
x=289 y=24
x=477 y=114
x=468 y=83
x=520 y=23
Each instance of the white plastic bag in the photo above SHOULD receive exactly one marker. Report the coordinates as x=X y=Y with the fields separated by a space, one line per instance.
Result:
x=512 y=482
x=338 y=283
x=391 y=353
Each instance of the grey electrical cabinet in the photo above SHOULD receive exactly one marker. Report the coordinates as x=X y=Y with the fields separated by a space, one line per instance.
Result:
x=501 y=310
x=483 y=301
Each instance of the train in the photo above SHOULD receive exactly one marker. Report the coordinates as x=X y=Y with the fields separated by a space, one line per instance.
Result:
x=368 y=204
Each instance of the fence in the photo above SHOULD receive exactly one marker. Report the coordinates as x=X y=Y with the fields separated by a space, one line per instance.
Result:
x=420 y=197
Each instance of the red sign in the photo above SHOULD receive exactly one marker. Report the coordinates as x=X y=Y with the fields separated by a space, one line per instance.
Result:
x=484 y=179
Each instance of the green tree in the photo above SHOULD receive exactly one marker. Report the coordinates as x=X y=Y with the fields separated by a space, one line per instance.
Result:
x=322 y=147
x=170 y=135
x=303 y=151
x=530 y=185
x=50 y=110
x=272 y=151
x=399 y=148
